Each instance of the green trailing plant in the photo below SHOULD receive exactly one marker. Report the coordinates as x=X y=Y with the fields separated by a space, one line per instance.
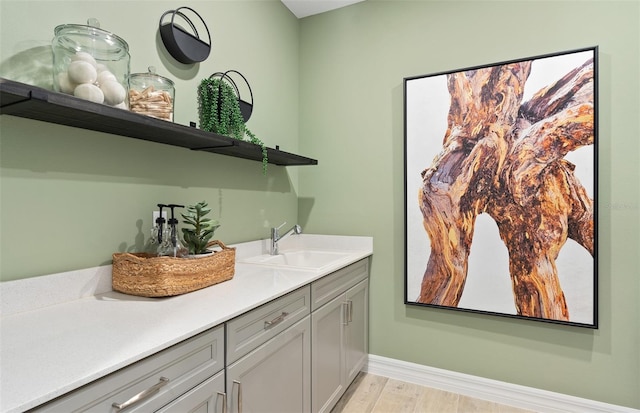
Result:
x=219 y=111
x=201 y=231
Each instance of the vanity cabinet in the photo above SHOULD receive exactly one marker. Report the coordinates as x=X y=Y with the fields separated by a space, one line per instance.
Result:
x=294 y=354
x=339 y=331
x=269 y=357
x=187 y=374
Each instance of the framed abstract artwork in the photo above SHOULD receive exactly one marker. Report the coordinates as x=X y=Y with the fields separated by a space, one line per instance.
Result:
x=501 y=189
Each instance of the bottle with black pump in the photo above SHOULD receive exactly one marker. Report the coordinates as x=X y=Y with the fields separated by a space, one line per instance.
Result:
x=159 y=234
x=171 y=245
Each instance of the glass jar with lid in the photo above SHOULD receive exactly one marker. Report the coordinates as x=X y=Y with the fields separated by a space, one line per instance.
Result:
x=91 y=63
x=151 y=94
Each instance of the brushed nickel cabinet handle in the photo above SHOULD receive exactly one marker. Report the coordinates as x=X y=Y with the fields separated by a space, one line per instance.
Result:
x=350 y=318
x=239 y=395
x=142 y=395
x=224 y=401
x=277 y=320
x=345 y=312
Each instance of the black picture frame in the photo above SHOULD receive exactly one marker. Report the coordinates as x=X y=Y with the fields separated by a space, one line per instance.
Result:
x=501 y=188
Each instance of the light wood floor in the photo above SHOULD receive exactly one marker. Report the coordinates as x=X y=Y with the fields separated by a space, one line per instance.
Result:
x=375 y=394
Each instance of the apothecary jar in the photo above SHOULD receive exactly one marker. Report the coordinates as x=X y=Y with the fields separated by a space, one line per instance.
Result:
x=151 y=94
x=91 y=63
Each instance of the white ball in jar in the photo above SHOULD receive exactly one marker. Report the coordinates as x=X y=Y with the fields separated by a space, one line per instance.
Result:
x=85 y=57
x=114 y=92
x=101 y=67
x=105 y=76
x=81 y=72
x=90 y=92
x=64 y=84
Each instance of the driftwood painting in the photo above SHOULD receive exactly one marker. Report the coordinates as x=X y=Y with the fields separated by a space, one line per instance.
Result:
x=500 y=188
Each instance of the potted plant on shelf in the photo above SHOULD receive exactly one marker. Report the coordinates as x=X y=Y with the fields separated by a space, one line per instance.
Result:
x=219 y=110
x=201 y=231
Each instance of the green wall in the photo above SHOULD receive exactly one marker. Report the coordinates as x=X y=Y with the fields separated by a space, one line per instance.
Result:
x=330 y=87
x=352 y=66
x=70 y=197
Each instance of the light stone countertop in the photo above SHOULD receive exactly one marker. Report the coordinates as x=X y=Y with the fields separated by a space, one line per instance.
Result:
x=61 y=331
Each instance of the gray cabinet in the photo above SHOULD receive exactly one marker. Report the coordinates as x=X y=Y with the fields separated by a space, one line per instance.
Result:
x=269 y=357
x=328 y=356
x=339 y=331
x=356 y=330
x=275 y=377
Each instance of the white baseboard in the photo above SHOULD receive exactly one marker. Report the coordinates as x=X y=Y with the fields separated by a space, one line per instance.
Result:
x=496 y=391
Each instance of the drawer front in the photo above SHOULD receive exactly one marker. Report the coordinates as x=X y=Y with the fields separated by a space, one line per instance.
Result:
x=161 y=378
x=252 y=329
x=327 y=288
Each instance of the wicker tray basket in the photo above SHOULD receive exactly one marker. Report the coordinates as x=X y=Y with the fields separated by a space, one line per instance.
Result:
x=147 y=275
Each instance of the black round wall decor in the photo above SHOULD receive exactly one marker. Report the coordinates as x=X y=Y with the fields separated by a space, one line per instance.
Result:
x=185 y=47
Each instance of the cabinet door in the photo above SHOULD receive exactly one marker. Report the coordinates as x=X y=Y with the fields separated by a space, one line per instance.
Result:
x=275 y=377
x=328 y=356
x=357 y=330
x=207 y=397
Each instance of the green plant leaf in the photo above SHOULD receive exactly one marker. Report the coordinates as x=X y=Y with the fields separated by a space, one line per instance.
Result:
x=219 y=112
x=196 y=238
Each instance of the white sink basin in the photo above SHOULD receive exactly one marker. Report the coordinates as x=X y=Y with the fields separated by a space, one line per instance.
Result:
x=300 y=259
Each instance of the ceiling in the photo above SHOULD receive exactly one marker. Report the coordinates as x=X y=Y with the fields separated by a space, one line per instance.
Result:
x=304 y=8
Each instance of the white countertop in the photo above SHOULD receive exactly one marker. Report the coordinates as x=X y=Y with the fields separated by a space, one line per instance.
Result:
x=68 y=342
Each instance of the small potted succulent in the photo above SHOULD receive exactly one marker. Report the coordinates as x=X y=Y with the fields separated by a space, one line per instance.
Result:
x=201 y=228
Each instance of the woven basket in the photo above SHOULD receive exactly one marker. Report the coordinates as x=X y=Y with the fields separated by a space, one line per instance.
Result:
x=147 y=275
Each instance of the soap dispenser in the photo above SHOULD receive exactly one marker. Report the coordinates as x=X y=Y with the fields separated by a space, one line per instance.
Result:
x=160 y=224
x=171 y=245
x=156 y=236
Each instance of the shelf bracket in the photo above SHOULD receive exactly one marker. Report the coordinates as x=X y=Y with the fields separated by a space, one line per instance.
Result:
x=13 y=103
x=206 y=148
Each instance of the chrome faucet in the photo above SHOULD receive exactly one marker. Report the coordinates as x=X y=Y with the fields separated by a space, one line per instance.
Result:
x=275 y=237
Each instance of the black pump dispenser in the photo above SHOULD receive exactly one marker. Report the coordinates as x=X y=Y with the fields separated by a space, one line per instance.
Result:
x=169 y=244
x=160 y=221
x=173 y=222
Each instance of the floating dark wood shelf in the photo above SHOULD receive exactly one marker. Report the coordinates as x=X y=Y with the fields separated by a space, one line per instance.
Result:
x=32 y=102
